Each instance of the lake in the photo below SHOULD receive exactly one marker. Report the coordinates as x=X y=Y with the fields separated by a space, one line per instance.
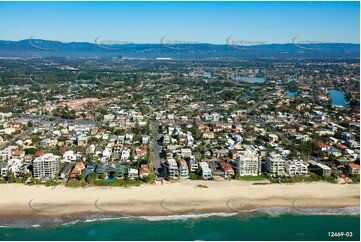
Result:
x=291 y=94
x=338 y=98
x=250 y=79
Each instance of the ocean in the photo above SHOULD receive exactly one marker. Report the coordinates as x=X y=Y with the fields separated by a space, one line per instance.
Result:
x=270 y=224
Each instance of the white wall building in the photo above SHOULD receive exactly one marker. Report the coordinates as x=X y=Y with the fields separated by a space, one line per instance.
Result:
x=172 y=168
x=297 y=168
x=46 y=166
x=248 y=162
x=275 y=165
x=206 y=171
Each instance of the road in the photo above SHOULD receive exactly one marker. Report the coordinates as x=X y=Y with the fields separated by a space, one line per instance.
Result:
x=257 y=104
x=155 y=148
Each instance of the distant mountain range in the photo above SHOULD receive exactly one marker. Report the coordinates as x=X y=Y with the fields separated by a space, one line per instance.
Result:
x=50 y=48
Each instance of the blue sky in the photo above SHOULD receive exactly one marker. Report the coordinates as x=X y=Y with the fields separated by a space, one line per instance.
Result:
x=208 y=22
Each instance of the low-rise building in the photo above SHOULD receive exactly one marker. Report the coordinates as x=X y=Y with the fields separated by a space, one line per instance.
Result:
x=183 y=170
x=206 y=171
x=297 y=168
x=319 y=168
x=353 y=168
x=193 y=165
x=172 y=168
x=228 y=171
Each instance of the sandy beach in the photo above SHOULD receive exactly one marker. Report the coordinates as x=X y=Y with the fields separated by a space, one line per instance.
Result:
x=19 y=200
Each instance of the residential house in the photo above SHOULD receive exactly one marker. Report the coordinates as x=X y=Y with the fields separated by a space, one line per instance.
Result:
x=185 y=152
x=183 y=170
x=133 y=173
x=193 y=165
x=205 y=170
x=353 y=169
x=208 y=135
x=228 y=171
x=297 y=168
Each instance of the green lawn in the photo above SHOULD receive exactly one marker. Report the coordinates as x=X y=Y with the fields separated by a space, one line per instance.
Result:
x=252 y=178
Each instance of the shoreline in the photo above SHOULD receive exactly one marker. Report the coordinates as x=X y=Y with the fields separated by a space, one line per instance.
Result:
x=37 y=203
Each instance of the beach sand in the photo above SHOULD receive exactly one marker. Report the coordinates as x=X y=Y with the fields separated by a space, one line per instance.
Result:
x=172 y=198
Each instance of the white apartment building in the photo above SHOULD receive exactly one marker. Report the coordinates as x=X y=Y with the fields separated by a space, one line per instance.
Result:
x=46 y=166
x=275 y=165
x=172 y=168
x=297 y=168
x=206 y=171
x=248 y=162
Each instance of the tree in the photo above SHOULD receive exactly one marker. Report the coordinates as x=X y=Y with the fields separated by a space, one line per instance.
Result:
x=137 y=128
x=30 y=124
x=91 y=177
x=147 y=128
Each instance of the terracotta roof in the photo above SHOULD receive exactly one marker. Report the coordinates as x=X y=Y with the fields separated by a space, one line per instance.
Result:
x=341 y=146
x=226 y=166
x=39 y=153
x=322 y=145
x=18 y=153
x=354 y=166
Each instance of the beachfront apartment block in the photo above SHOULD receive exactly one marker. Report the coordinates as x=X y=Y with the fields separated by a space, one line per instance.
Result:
x=248 y=162
x=206 y=171
x=172 y=168
x=297 y=168
x=319 y=168
x=183 y=170
x=46 y=166
x=275 y=165
x=193 y=165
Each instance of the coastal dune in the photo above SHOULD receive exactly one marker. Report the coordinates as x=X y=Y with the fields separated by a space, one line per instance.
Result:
x=171 y=198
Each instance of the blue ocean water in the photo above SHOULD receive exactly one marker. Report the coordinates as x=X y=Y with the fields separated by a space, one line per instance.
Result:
x=248 y=226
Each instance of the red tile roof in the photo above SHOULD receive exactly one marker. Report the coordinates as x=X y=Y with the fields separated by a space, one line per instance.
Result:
x=39 y=153
x=354 y=166
x=322 y=145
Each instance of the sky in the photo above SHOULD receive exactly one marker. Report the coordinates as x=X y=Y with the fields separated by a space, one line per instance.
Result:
x=187 y=22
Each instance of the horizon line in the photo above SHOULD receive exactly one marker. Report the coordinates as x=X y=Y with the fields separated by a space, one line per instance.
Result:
x=180 y=42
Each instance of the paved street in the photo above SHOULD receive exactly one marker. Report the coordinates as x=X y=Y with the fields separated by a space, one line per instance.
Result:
x=155 y=148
